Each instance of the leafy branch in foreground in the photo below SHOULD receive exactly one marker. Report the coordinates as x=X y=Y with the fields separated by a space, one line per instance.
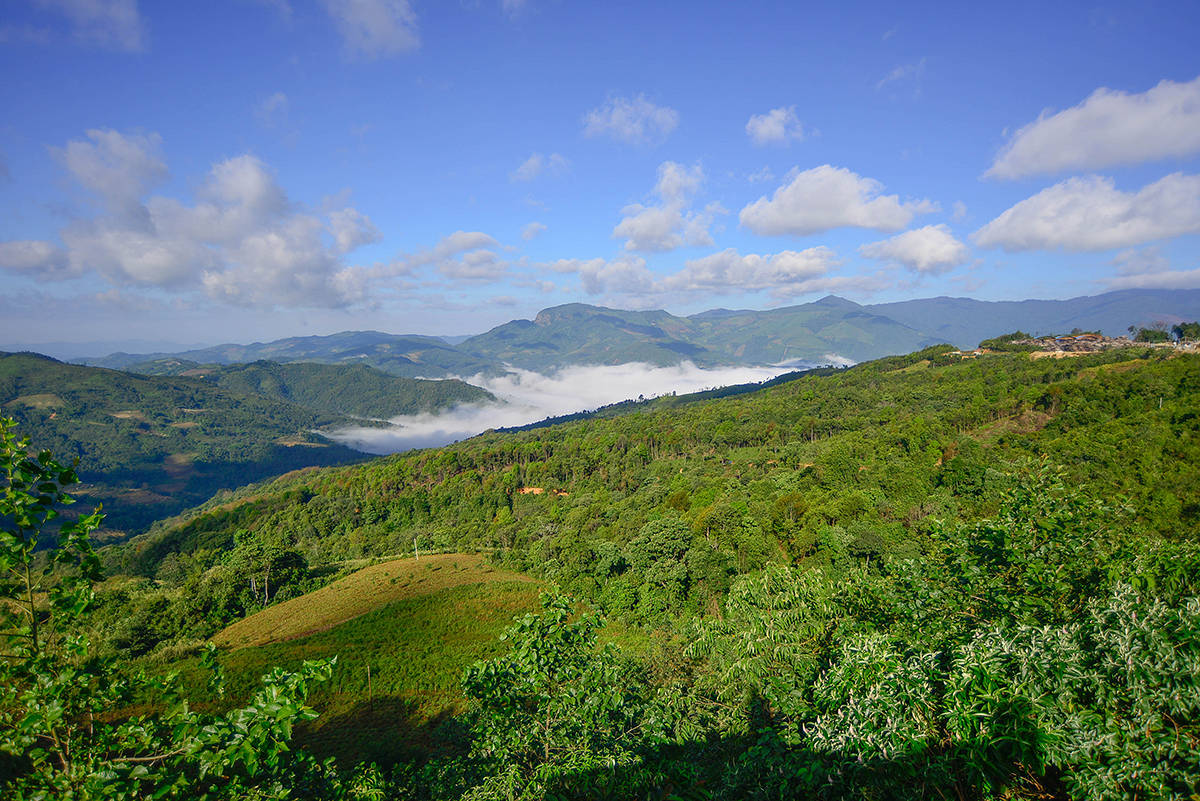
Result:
x=64 y=729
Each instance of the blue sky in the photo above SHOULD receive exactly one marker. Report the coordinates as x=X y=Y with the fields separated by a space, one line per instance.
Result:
x=252 y=169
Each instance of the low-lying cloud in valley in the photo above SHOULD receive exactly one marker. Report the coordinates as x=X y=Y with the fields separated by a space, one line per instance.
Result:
x=528 y=397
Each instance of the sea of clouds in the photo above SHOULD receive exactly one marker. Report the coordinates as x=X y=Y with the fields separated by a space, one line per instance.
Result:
x=527 y=397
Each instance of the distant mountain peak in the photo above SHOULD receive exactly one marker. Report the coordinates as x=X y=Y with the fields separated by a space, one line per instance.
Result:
x=835 y=302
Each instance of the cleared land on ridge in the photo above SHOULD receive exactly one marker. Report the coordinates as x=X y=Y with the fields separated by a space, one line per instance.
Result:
x=359 y=593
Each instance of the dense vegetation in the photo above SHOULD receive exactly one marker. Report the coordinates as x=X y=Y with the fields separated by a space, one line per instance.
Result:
x=922 y=577
x=153 y=446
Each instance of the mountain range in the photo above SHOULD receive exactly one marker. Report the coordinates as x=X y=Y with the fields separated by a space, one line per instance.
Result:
x=830 y=330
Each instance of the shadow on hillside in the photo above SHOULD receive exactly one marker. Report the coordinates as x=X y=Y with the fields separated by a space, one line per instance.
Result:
x=764 y=767
x=384 y=730
x=759 y=765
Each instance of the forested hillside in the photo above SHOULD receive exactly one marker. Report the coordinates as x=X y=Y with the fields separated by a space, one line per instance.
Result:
x=152 y=446
x=920 y=577
x=883 y=444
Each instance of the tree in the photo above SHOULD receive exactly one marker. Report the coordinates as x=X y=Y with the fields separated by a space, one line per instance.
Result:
x=265 y=564
x=1186 y=332
x=556 y=708
x=63 y=729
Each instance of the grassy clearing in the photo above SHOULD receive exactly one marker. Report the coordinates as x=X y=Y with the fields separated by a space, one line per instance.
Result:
x=415 y=650
x=43 y=400
x=359 y=593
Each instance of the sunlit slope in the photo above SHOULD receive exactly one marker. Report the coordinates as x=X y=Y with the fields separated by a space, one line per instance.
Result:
x=402 y=633
x=359 y=593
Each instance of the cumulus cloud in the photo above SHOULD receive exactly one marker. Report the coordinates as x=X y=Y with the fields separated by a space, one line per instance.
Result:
x=626 y=275
x=528 y=397
x=1109 y=128
x=730 y=271
x=375 y=28
x=633 y=120
x=670 y=224
x=1090 y=213
x=118 y=169
x=930 y=250
x=537 y=165
x=785 y=275
x=352 y=229
x=113 y=24
x=828 y=197
x=242 y=240
x=777 y=127
x=532 y=230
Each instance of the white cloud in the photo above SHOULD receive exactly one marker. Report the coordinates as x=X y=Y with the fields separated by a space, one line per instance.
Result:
x=960 y=211
x=537 y=164
x=904 y=72
x=459 y=242
x=1148 y=268
x=113 y=24
x=1167 y=279
x=633 y=120
x=625 y=275
x=35 y=256
x=828 y=197
x=777 y=127
x=463 y=255
x=1090 y=213
x=930 y=250
x=477 y=265
x=272 y=110
x=532 y=230
x=375 y=28
x=528 y=397
x=1134 y=261
x=352 y=229
x=671 y=224
x=117 y=168
x=761 y=176
x=1109 y=128
x=788 y=274
x=729 y=271
x=242 y=240
x=513 y=7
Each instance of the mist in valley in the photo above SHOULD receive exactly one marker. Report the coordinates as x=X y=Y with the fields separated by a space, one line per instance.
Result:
x=527 y=397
